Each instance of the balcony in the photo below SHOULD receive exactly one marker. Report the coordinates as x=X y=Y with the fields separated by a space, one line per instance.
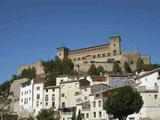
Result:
x=147 y=89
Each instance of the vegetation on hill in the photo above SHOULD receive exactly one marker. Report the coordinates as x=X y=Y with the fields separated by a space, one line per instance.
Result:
x=127 y=68
x=4 y=87
x=139 y=65
x=29 y=73
x=57 y=67
x=122 y=102
x=95 y=71
x=146 y=67
x=116 y=67
x=47 y=114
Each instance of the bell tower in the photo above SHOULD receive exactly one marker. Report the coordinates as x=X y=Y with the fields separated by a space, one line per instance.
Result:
x=62 y=52
x=115 y=45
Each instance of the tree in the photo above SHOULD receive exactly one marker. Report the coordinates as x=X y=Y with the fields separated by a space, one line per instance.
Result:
x=79 y=117
x=47 y=114
x=74 y=116
x=57 y=67
x=116 y=68
x=29 y=73
x=30 y=118
x=127 y=67
x=140 y=65
x=100 y=70
x=150 y=67
x=92 y=70
x=122 y=102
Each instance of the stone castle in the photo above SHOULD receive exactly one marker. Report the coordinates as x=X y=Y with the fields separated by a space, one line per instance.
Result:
x=103 y=55
x=100 y=55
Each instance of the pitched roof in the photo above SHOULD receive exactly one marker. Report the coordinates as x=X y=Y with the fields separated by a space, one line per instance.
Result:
x=148 y=73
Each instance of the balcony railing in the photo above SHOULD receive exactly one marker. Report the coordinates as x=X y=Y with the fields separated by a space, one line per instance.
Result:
x=144 y=88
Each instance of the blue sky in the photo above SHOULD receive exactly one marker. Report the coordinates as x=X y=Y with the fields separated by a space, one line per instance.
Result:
x=31 y=29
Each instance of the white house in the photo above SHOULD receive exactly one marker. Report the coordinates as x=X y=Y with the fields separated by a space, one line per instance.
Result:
x=26 y=98
x=69 y=90
x=38 y=95
x=116 y=80
x=148 y=84
x=91 y=105
x=51 y=97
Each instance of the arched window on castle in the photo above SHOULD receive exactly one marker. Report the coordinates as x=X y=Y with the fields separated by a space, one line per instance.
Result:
x=115 y=52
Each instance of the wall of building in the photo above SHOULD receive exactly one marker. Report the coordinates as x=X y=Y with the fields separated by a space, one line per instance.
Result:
x=26 y=98
x=38 y=97
x=49 y=98
x=15 y=87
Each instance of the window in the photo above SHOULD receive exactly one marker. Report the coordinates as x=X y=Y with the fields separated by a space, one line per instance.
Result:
x=94 y=114
x=38 y=96
x=82 y=115
x=85 y=97
x=155 y=84
x=74 y=59
x=97 y=95
x=103 y=55
x=53 y=104
x=46 y=90
x=155 y=96
x=63 y=104
x=22 y=93
x=53 y=97
x=76 y=93
x=100 y=114
x=29 y=98
x=94 y=103
x=21 y=100
x=94 y=56
x=63 y=94
x=38 y=88
x=61 y=80
x=131 y=118
x=46 y=98
x=26 y=101
x=85 y=89
x=78 y=58
x=87 y=115
x=53 y=90
x=37 y=103
x=115 y=52
x=99 y=103
x=46 y=103
x=108 y=54
x=29 y=91
x=99 y=55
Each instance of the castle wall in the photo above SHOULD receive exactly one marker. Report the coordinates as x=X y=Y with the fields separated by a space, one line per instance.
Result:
x=85 y=54
x=37 y=65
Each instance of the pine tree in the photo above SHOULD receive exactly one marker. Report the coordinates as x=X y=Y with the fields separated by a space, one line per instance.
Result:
x=127 y=68
x=116 y=68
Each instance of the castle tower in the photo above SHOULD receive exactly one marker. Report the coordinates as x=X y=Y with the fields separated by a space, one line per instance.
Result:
x=115 y=45
x=62 y=52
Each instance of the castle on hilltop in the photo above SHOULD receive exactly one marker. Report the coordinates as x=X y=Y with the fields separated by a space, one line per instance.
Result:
x=100 y=55
x=104 y=55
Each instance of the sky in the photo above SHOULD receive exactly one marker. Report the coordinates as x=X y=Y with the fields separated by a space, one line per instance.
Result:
x=31 y=30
